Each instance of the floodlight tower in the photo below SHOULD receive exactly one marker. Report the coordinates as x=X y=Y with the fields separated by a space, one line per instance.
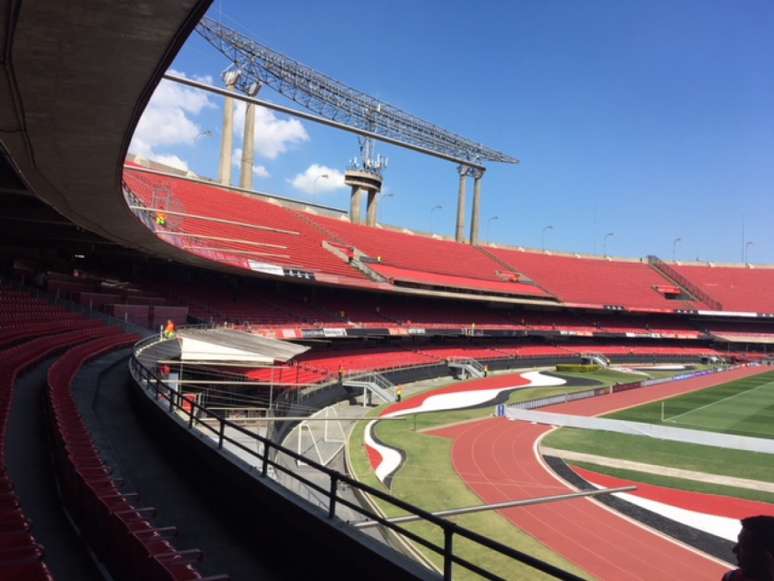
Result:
x=336 y=104
x=364 y=176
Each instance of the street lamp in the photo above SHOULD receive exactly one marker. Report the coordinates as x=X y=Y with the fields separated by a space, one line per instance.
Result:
x=324 y=176
x=604 y=242
x=433 y=209
x=747 y=251
x=493 y=218
x=675 y=242
x=543 y=236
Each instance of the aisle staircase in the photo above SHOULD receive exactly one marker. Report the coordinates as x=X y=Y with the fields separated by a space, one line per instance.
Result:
x=469 y=367
x=688 y=287
x=376 y=384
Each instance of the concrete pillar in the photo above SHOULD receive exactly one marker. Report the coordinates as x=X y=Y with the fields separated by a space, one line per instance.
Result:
x=248 y=145
x=373 y=202
x=227 y=140
x=476 y=213
x=356 y=203
x=362 y=183
x=461 y=203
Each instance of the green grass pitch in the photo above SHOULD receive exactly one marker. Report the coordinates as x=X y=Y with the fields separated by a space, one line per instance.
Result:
x=744 y=407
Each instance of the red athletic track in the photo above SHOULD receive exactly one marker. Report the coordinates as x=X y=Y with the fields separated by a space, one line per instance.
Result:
x=497 y=460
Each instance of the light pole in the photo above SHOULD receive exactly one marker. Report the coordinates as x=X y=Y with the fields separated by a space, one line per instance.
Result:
x=433 y=209
x=604 y=243
x=492 y=219
x=675 y=242
x=747 y=251
x=543 y=236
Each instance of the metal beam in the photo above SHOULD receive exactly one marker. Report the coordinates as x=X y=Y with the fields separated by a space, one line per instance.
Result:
x=497 y=506
x=332 y=99
x=317 y=119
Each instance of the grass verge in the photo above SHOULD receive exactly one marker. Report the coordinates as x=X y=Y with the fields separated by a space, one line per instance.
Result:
x=753 y=465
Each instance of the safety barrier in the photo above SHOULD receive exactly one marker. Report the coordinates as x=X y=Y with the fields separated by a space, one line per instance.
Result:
x=184 y=410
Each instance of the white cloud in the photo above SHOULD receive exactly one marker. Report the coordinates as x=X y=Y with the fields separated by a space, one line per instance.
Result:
x=312 y=181
x=172 y=161
x=259 y=171
x=273 y=136
x=167 y=120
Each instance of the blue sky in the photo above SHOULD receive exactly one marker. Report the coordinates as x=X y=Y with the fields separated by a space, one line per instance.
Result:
x=653 y=120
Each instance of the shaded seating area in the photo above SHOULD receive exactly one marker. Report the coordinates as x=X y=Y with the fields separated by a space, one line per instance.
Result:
x=119 y=530
x=21 y=556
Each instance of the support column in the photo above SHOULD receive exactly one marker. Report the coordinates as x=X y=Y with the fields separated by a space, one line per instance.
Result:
x=248 y=145
x=227 y=139
x=355 y=204
x=362 y=183
x=464 y=171
x=476 y=212
x=373 y=202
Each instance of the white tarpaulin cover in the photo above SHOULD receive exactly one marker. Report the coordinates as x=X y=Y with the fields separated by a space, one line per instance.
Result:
x=228 y=345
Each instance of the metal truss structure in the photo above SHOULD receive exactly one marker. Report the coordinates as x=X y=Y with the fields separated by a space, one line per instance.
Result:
x=334 y=100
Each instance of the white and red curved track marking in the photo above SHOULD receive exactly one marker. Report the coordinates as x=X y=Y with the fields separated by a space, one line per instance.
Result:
x=711 y=513
x=499 y=461
x=385 y=460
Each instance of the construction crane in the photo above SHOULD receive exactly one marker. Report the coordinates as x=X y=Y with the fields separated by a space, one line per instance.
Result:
x=338 y=102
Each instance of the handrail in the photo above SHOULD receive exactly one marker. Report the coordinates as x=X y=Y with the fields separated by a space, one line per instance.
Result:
x=170 y=399
x=683 y=281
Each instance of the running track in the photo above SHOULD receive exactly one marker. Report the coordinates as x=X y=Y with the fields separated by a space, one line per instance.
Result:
x=498 y=460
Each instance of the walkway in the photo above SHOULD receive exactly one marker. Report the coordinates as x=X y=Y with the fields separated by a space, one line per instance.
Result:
x=103 y=391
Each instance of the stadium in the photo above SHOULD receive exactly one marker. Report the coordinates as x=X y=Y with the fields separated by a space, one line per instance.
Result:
x=201 y=380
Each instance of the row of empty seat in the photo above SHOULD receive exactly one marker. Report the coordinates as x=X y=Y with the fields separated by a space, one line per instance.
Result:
x=21 y=556
x=298 y=240
x=322 y=366
x=288 y=240
x=117 y=528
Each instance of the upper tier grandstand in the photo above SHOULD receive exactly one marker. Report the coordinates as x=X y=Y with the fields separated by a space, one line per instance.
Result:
x=216 y=223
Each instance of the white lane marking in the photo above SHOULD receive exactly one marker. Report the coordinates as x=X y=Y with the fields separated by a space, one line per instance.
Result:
x=719 y=526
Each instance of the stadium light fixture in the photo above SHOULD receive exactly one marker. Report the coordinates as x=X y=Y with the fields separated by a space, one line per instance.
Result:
x=675 y=242
x=604 y=242
x=543 y=236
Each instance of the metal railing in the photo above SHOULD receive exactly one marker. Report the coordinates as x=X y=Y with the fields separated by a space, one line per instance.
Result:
x=193 y=414
x=682 y=281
